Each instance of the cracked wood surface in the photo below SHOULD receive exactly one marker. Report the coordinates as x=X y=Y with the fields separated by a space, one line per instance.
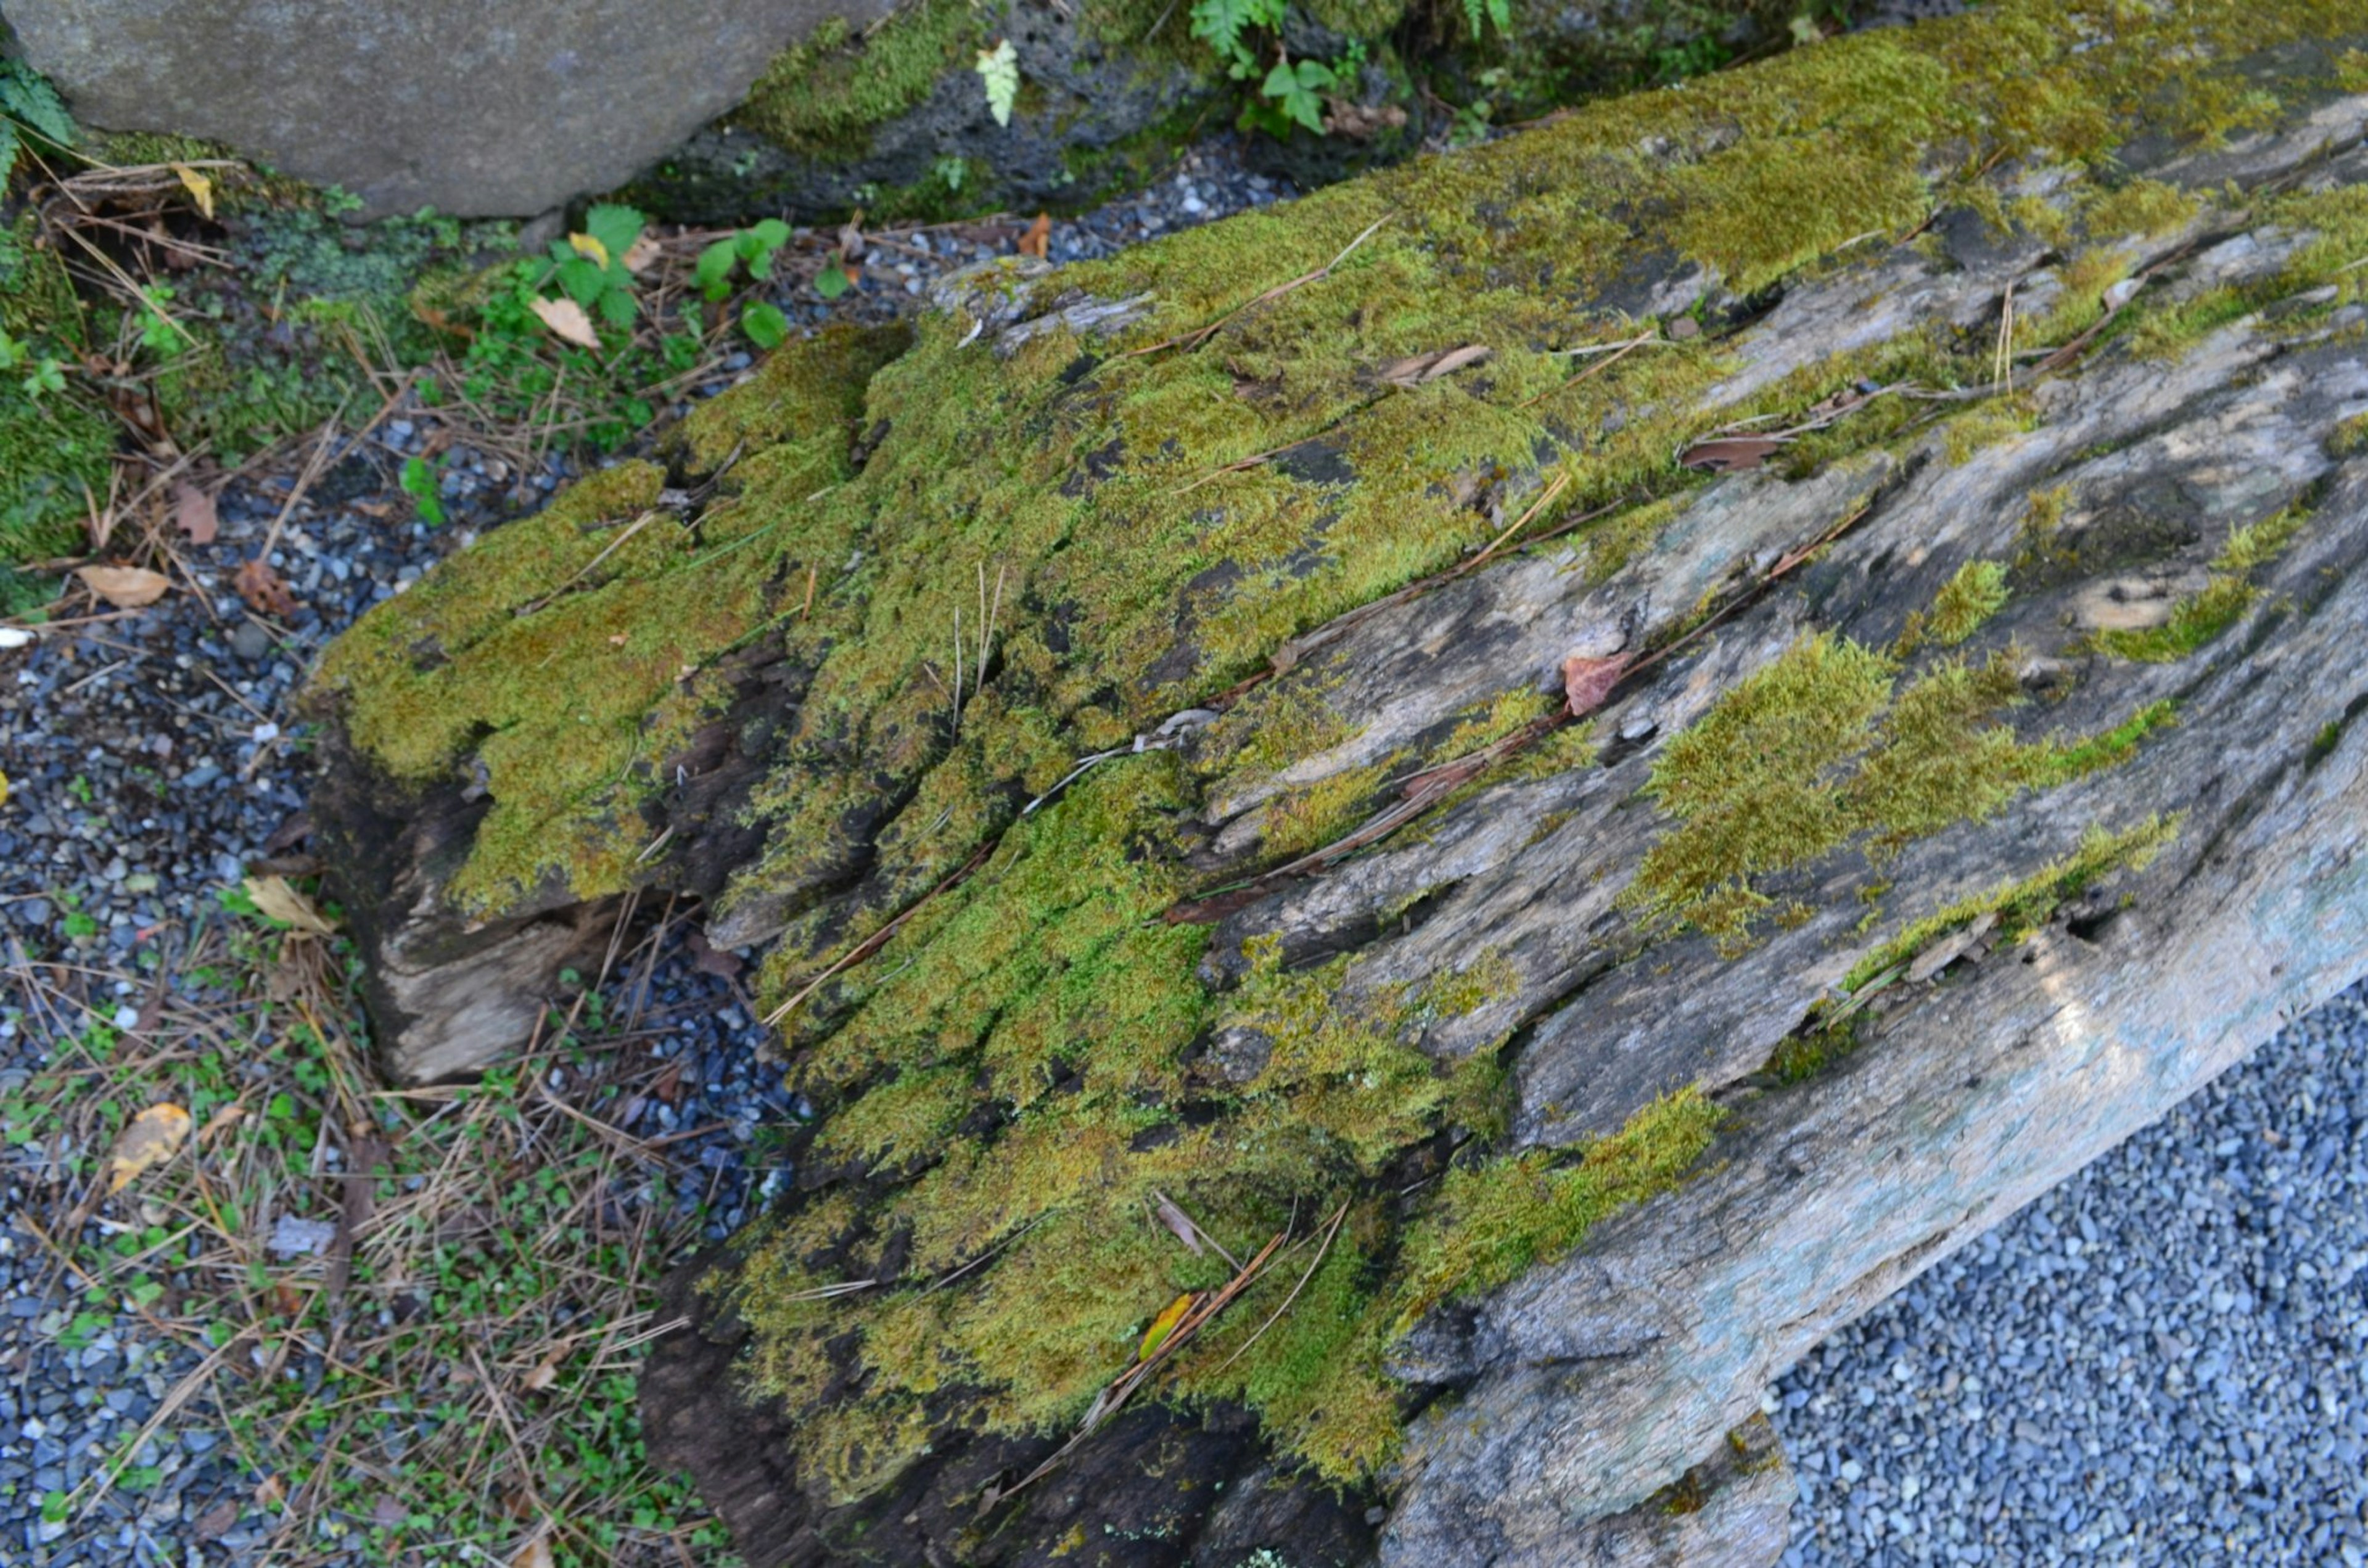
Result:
x=1579 y=1413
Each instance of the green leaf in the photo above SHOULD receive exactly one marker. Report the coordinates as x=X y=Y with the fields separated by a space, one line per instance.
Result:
x=616 y=227
x=29 y=98
x=999 y=68
x=766 y=326
x=830 y=282
x=583 y=280
x=712 y=272
x=617 y=307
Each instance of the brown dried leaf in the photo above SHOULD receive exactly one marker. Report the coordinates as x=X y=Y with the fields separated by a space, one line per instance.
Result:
x=1179 y=1223
x=1586 y=682
x=541 y=1378
x=1730 y=454
x=641 y=255
x=277 y=899
x=850 y=237
x=1421 y=367
x=535 y=1553
x=153 y=1137
x=263 y=589
x=193 y=513
x=125 y=587
x=566 y=320
x=1038 y=241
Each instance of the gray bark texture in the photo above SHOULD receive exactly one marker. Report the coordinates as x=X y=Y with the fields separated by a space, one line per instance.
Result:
x=1971 y=769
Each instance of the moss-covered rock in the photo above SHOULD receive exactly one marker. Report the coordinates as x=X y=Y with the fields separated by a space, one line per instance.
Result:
x=1028 y=684
x=893 y=117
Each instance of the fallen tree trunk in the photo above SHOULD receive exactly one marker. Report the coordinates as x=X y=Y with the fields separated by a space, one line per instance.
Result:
x=1410 y=840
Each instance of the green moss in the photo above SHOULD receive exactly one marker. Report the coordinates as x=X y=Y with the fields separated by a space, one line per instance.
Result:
x=1820 y=748
x=1977 y=592
x=1164 y=517
x=56 y=448
x=2202 y=616
x=2350 y=438
x=823 y=95
x=2024 y=905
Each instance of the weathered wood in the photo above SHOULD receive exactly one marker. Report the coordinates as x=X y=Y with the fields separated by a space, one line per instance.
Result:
x=1984 y=777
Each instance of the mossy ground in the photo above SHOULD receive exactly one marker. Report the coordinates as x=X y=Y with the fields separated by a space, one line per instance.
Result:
x=1035 y=1055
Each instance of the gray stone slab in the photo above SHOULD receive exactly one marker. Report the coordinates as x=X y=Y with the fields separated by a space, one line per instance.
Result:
x=474 y=109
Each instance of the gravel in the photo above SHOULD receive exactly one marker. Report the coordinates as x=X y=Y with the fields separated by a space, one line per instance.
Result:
x=2161 y=1362
x=2158 y=1362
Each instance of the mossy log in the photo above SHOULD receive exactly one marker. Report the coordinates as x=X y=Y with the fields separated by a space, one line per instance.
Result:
x=1619 y=740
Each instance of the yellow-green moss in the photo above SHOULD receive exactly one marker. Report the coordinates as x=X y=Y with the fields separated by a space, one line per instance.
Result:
x=1977 y=592
x=1819 y=749
x=1161 y=523
x=2024 y=905
x=825 y=94
x=2203 y=615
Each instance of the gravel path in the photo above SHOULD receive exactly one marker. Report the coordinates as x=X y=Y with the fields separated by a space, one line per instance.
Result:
x=2160 y=1363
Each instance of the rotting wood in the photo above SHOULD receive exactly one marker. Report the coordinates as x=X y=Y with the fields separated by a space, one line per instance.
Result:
x=2165 y=848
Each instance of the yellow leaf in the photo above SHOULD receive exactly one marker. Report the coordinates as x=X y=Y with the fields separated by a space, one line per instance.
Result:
x=125 y=587
x=566 y=319
x=589 y=248
x=1163 y=1325
x=277 y=898
x=153 y=1137
x=4 y=787
x=200 y=189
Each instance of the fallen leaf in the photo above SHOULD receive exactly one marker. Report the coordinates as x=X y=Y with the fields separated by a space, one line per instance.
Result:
x=641 y=254
x=286 y=1300
x=566 y=319
x=389 y=1513
x=1950 y=948
x=194 y=515
x=1586 y=682
x=721 y=963
x=850 y=237
x=153 y=1137
x=263 y=589
x=1421 y=367
x=1730 y=454
x=216 y=1521
x=1038 y=241
x=1179 y=1223
x=269 y=1490
x=200 y=189
x=226 y=1117
x=125 y=587
x=277 y=898
x=1163 y=1325
x=541 y=1378
x=535 y=1553
x=590 y=249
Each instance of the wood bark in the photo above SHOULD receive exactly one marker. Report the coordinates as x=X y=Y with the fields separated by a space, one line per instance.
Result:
x=1979 y=984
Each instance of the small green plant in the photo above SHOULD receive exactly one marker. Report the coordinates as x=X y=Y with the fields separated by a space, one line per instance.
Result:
x=752 y=250
x=590 y=269
x=998 y=68
x=420 y=483
x=951 y=171
x=30 y=110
